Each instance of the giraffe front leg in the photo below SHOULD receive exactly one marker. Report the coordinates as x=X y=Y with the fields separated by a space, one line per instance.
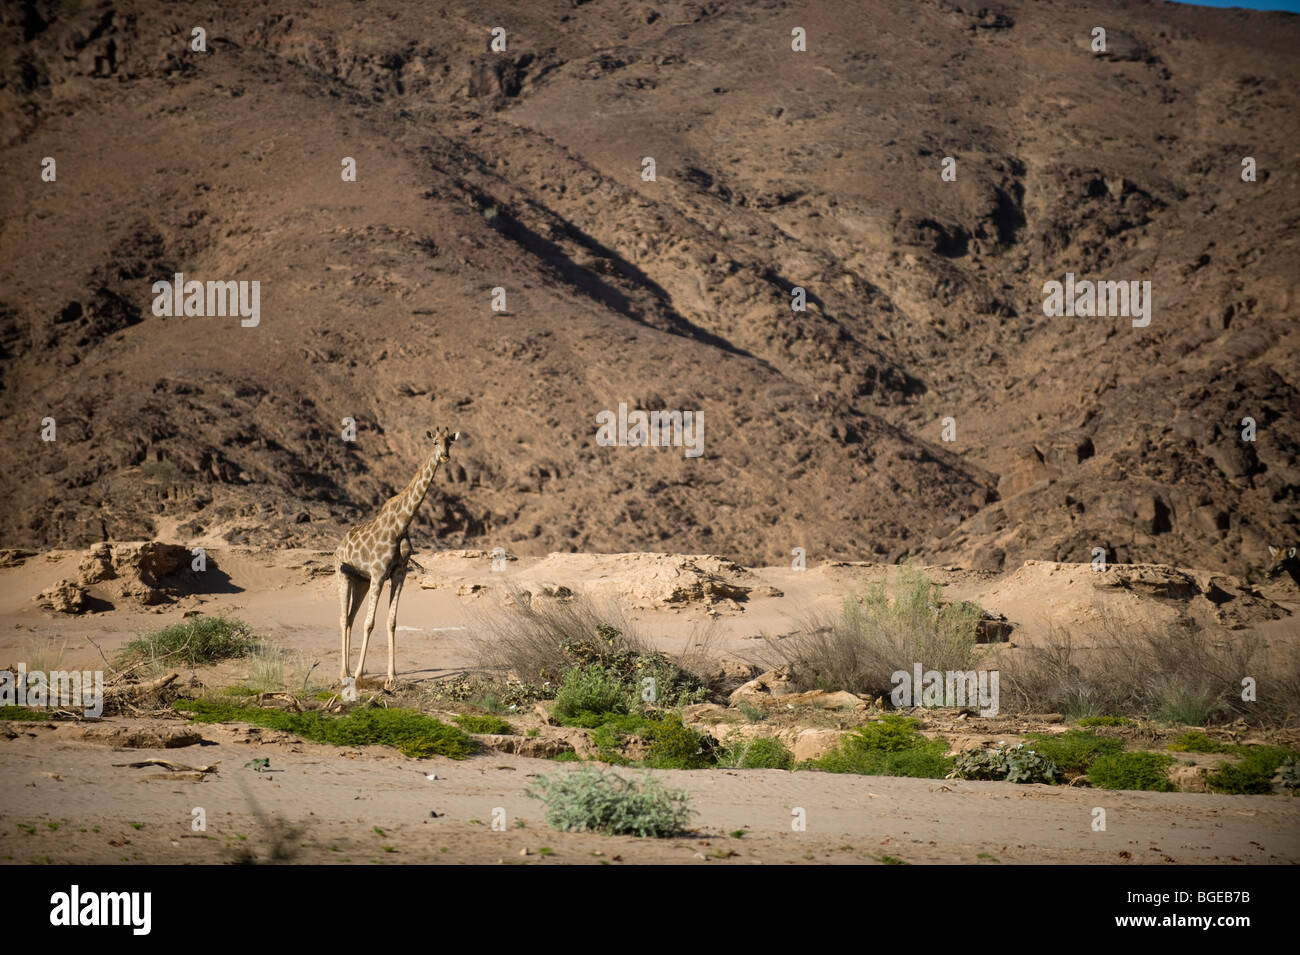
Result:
x=345 y=620
x=371 y=605
x=395 y=593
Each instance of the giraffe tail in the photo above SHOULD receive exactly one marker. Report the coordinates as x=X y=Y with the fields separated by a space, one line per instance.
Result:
x=412 y=562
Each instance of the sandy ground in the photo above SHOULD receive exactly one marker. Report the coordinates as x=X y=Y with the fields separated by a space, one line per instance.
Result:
x=64 y=799
x=321 y=804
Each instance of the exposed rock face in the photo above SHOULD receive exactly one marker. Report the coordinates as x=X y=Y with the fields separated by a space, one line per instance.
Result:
x=63 y=597
x=149 y=574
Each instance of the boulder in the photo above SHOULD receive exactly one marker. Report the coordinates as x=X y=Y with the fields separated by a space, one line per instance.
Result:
x=814 y=743
x=778 y=682
x=64 y=597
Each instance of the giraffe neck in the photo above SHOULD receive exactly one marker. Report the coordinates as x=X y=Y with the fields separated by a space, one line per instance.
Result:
x=408 y=502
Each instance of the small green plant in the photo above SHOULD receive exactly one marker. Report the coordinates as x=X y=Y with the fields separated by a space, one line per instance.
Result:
x=763 y=753
x=1287 y=778
x=590 y=689
x=192 y=643
x=737 y=833
x=483 y=724
x=891 y=860
x=1180 y=703
x=22 y=713
x=673 y=745
x=1014 y=764
x=1140 y=770
x=412 y=734
x=533 y=732
x=1074 y=750
x=266 y=667
x=1104 y=721
x=1197 y=742
x=1254 y=774
x=545 y=851
x=890 y=746
x=593 y=800
x=755 y=714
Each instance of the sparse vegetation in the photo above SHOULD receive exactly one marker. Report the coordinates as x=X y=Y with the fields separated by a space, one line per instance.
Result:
x=888 y=747
x=195 y=642
x=766 y=752
x=1197 y=742
x=483 y=724
x=539 y=640
x=593 y=800
x=22 y=713
x=413 y=734
x=1254 y=774
x=875 y=635
x=1074 y=750
x=1173 y=673
x=1104 y=721
x=1138 y=770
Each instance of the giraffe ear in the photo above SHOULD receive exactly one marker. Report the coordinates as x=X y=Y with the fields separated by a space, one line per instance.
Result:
x=1291 y=553
x=455 y=436
x=428 y=434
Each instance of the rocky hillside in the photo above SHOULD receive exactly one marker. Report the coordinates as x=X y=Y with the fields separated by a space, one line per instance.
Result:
x=524 y=170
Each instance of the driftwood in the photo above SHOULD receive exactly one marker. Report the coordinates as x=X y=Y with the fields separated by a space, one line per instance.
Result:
x=169 y=765
x=118 y=692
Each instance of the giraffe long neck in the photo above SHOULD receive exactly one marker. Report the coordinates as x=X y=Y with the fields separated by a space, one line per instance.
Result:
x=408 y=502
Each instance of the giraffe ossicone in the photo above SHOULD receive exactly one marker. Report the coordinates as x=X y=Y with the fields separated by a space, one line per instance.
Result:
x=378 y=551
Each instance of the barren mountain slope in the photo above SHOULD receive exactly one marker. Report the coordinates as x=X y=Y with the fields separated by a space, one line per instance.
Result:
x=774 y=170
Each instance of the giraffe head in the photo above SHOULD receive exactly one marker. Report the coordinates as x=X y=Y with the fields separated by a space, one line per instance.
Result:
x=1281 y=557
x=442 y=439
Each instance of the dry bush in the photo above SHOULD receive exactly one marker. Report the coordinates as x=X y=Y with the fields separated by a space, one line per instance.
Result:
x=531 y=639
x=1174 y=673
x=875 y=636
x=536 y=640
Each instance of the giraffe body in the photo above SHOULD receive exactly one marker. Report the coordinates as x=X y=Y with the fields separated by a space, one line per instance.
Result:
x=379 y=551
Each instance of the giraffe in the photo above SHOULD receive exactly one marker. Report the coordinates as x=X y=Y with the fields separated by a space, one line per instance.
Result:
x=1284 y=558
x=380 y=550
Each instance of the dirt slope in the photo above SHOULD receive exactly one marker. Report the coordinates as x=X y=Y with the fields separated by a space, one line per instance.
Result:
x=522 y=170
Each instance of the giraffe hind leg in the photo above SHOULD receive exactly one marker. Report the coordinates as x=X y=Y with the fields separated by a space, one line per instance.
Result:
x=395 y=593
x=351 y=592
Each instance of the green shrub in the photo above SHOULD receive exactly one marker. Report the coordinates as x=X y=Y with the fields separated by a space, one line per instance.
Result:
x=1013 y=764
x=766 y=752
x=673 y=745
x=412 y=734
x=590 y=689
x=483 y=724
x=589 y=799
x=192 y=643
x=1074 y=750
x=1254 y=774
x=1149 y=771
x=1197 y=742
x=888 y=747
x=22 y=713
